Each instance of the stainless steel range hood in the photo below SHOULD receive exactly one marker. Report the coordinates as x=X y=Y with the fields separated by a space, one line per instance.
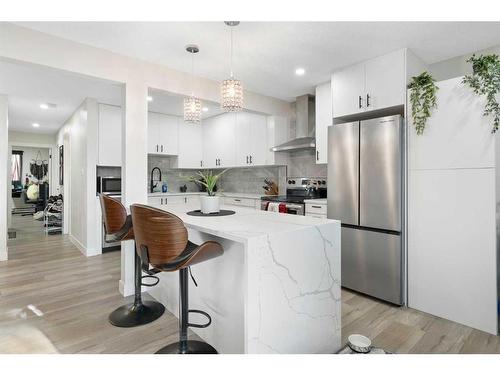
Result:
x=305 y=117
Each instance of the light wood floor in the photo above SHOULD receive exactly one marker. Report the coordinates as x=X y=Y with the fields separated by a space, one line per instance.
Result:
x=48 y=275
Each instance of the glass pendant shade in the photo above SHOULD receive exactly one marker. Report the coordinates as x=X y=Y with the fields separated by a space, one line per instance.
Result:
x=192 y=110
x=231 y=95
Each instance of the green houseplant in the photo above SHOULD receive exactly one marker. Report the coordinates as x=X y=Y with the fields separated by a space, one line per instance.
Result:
x=422 y=99
x=485 y=80
x=210 y=203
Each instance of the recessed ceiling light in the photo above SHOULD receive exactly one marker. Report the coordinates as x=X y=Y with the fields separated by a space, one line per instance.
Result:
x=48 y=105
x=36 y=125
x=300 y=71
x=205 y=109
x=150 y=98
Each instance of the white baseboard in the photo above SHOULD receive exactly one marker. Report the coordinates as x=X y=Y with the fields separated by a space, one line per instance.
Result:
x=126 y=289
x=4 y=255
x=78 y=244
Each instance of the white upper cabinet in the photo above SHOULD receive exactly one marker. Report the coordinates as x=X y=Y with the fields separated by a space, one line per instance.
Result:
x=219 y=144
x=251 y=139
x=162 y=134
x=110 y=135
x=190 y=145
x=385 y=81
x=374 y=84
x=324 y=117
x=348 y=90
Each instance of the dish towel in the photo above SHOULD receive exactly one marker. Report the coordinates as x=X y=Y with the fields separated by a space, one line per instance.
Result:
x=273 y=207
x=282 y=208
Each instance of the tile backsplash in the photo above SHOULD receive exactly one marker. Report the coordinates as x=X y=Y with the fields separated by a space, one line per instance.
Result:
x=300 y=163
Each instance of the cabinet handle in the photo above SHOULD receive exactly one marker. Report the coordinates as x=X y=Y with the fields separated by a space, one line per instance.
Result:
x=367 y=100
x=165 y=200
x=216 y=162
x=251 y=159
x=201 y=163
x=317 y=155
x=237 y=200
x=316 y=206
x=156 y=148
x=161 y=200
x=185 y=200
x=247 y=159
x=219 y=162
x=360 y=105
x=161 y=148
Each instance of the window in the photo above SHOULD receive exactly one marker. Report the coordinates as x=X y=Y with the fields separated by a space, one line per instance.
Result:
x=17 y=166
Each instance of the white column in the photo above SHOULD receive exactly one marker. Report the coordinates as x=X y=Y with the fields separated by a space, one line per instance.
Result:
x=4 y=171
x=134 y=168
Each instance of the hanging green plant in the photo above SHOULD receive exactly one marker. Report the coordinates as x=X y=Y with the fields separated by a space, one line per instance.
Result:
x=485 y=80
x=423 y=99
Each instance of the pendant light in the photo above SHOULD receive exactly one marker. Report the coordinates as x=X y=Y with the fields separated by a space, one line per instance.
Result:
x=192 y=105
x=231 y=89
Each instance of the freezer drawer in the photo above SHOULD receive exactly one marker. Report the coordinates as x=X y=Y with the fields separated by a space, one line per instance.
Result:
x=380 y=173
x=343 y=172
x=372 y=264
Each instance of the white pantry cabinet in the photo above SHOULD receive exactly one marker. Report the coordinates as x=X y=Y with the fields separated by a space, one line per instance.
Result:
x=162 y=134
x=190 y=145
x=110 y=136
x=374 y=84
x=324 y=118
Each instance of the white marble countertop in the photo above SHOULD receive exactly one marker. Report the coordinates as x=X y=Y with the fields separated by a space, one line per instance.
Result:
x=246 y=223
x=321 y=201
x=222 y=194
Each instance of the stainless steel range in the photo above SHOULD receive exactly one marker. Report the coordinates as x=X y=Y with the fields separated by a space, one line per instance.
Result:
x=297 y=190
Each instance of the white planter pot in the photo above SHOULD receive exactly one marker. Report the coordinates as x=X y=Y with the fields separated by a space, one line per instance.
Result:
x=209 y=204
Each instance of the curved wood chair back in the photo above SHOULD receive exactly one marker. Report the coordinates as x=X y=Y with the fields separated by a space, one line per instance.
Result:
x=163 y=234
x=114 y=214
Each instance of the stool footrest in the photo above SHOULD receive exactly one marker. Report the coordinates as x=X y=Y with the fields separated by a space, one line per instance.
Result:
x=156 y=278
x=200 y=325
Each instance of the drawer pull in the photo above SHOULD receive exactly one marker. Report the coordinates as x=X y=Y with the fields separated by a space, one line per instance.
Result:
x=316 y=206
x=237 y=200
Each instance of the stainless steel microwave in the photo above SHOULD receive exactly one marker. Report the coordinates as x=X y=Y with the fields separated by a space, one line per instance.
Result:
x=109 y=185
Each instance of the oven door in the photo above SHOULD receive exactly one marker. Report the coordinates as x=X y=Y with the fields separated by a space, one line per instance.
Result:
x=295 y=209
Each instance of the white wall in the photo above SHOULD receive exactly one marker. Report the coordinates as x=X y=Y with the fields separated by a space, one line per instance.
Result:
x=5 y=172
x=21 y=44
x=452 y=256
x=80 y=171
x=457 y=66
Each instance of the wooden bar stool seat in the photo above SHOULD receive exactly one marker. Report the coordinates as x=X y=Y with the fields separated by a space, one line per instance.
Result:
x=162 y=243
x=118 y=227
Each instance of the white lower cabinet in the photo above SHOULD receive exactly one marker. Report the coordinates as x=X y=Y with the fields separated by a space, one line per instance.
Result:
x=235 y=201
x=316 y=210
x=165 y=200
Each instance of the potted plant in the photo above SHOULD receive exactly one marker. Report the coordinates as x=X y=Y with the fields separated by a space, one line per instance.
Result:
x=210 y=203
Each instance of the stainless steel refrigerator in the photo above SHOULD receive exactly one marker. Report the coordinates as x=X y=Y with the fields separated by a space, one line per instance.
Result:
x=365 y=182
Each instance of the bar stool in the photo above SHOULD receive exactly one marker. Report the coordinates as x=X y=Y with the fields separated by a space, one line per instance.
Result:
x=118 y=227
x=162 y=242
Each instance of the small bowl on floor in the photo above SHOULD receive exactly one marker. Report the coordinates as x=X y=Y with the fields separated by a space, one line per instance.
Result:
x=359 y=343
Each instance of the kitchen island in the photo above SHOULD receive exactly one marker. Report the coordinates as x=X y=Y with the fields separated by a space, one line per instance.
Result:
x=276 y=289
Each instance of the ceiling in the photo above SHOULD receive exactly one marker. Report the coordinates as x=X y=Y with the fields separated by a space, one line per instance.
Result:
x=267 y=53
x=28 y=86
x=172 y=104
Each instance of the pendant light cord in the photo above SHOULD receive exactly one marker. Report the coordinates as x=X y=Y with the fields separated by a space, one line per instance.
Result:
x=192 y=74
x=231 y=59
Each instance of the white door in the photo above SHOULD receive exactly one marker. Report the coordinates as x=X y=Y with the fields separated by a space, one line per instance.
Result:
x=348 y=90
x=385 y=81
x=190 y=145
x=324 y=117
x=153 y=133
x=168 y=135
x=110 y=135
x=208 y=127
x=258 y=139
